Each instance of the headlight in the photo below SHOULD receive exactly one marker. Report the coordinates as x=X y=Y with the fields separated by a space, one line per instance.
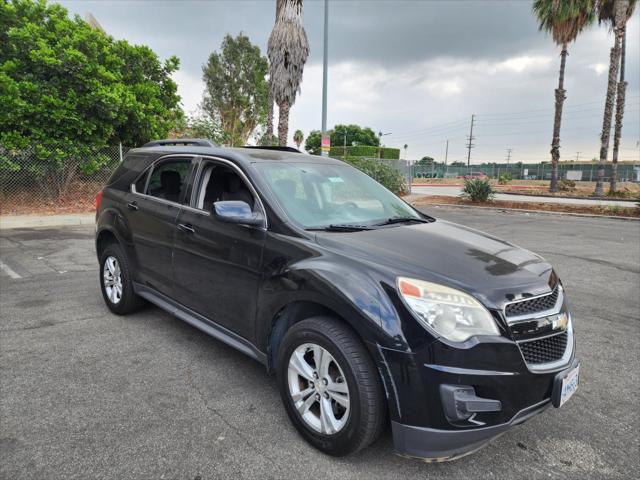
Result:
x=451 y=313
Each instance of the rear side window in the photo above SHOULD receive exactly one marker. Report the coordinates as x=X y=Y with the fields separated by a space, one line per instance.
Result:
x=168 y=180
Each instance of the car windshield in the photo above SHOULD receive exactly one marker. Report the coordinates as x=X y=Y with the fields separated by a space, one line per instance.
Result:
x=319 y=195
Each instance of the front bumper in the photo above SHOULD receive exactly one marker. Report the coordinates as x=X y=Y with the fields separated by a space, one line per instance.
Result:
x=500 y=383
x=434 y=445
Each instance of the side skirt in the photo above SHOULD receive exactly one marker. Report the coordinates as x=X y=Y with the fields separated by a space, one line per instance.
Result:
x=200 y=322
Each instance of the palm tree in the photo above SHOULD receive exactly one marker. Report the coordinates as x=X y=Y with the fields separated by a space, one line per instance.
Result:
x=298 y=137
x=564 y=19
x=288 y=49
x=607 y=14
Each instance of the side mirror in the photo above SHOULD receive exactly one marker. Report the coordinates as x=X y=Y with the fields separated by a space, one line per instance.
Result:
x=237 y=211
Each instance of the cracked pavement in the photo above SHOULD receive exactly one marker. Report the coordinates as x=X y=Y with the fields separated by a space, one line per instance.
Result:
x=87 y=394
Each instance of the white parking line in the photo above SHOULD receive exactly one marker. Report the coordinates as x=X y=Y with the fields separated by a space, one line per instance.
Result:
x=8 y=270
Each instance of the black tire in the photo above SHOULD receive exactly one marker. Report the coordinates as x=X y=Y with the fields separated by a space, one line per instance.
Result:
x=129 y=302
x=367 y=415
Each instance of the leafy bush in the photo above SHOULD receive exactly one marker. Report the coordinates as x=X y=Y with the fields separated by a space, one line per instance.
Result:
x=504 y=178
x=369 y=151
x=566 y=185
x=478 y=190
x=381 y=172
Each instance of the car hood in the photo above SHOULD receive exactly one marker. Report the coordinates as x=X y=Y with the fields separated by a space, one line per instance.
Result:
x=492 y=269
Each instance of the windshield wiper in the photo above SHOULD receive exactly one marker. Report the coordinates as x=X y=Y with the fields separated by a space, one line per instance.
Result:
x=392 y=220
x=342 y=227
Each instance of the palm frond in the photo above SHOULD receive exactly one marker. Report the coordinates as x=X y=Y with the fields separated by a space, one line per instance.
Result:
x=288 y=50
x=564 y=19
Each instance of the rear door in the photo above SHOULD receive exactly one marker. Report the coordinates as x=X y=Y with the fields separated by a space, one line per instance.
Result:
x=217 y=265
x=153 y=209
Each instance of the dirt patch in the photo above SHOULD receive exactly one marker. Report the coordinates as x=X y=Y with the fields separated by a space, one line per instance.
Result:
x=614 y=211
x=80 y=198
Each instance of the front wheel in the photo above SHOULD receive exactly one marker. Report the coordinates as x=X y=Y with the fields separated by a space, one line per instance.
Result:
x=330 y=386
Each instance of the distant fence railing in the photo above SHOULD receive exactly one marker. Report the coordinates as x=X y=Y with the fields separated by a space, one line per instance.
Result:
x=529 y=171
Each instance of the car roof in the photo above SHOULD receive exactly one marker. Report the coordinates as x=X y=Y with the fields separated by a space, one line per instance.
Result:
x=240 y=155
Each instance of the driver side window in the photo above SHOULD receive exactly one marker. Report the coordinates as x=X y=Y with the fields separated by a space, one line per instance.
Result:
x=221 y=183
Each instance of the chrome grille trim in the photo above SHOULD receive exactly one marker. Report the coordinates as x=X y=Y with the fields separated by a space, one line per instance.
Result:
x=535 y=315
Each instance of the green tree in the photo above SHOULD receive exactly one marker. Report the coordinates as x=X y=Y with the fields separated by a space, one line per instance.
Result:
x=564 y=19
x=298 y=137
x=355 y=135
x=200 y=125
x=312 y=144
x=67 y=89
x=425 y=161
x=236 y=89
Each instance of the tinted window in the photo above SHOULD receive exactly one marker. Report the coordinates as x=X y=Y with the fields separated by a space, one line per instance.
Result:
x=168 y=180
x=220 y=183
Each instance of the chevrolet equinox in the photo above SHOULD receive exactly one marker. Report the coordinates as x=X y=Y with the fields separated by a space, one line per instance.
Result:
x=368 y=311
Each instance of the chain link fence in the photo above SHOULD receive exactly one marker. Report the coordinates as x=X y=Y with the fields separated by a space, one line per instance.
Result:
x=530 y=171
x=31 y=182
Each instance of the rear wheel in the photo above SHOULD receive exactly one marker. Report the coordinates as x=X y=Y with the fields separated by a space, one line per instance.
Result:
x=116 y=281
x=330 y=386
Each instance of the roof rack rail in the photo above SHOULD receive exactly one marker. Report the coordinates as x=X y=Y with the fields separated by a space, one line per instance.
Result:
x=191 y=142
x=274 y=147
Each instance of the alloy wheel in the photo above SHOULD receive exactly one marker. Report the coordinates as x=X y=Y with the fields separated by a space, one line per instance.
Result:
x=112 y=278
x=318 y=388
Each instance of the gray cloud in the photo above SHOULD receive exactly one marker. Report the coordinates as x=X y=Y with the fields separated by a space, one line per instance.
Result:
x=409 y=67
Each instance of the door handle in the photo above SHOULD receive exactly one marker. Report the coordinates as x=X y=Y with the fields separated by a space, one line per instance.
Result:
x=132 y=206
x=186 y=228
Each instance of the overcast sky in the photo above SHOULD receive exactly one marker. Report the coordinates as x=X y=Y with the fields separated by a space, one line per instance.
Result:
x=415 y=69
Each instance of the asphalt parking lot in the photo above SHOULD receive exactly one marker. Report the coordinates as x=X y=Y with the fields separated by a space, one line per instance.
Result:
x=87 y=394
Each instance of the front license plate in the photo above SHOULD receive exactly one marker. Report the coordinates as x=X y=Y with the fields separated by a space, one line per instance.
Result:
x=567 y=385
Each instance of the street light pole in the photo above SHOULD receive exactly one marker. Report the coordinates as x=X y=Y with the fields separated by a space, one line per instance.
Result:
x=325 y=137
x=380 y=135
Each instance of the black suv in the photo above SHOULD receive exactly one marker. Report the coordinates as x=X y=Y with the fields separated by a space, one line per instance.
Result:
x=365 y=308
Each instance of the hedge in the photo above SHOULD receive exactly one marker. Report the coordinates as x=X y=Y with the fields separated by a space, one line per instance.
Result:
x=368 y=151
x=383 y=173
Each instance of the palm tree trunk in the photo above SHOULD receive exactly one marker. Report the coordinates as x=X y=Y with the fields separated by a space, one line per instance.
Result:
x=555 y=142
x=614 y=61
x=270 y=116
x=283 y=123
x=617 y=133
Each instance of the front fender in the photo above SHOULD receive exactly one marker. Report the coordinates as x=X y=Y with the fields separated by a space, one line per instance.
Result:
x=356 y=296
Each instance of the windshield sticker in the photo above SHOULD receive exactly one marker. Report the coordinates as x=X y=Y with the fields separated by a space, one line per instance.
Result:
x=336 y=179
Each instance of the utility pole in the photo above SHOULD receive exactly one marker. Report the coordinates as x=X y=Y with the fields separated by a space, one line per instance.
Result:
x=578 y=156
x=325 y=141
x=380 y=135
x=470 y=145
x=345 y=144
x=509 y=150
x=446 y=153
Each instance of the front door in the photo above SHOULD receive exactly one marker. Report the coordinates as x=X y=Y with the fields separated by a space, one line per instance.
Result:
x=217 y=265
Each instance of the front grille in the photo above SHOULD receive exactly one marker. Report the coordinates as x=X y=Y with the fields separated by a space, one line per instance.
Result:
x=534 y=305
x=545 y=350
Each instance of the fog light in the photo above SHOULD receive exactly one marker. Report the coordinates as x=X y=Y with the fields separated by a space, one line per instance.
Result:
x=460 y=402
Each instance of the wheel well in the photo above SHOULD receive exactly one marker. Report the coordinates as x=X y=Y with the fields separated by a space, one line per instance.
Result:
x=288 y=316
x=105 y=238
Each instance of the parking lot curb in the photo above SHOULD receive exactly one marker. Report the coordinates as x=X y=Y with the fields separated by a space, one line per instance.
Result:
x=30 y=221
x=522 y=210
